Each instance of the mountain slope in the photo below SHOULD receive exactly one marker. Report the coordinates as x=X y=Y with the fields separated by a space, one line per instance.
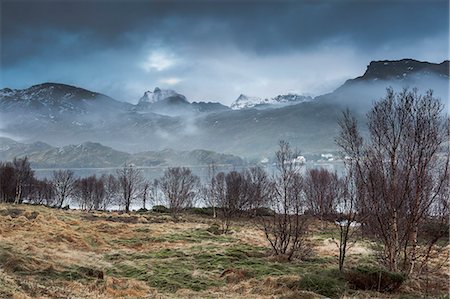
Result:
x=96 y=155
x=56 y=99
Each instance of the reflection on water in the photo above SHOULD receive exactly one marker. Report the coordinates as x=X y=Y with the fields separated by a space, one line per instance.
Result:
x=151 y=173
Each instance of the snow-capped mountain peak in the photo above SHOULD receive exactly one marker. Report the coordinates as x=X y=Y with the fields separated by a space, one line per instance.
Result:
x=245 y=102
x=158 y=95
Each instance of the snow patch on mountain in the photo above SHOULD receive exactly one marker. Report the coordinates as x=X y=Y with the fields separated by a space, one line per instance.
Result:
x=245 y=102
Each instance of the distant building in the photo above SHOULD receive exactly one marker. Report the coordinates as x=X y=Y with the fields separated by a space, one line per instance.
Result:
x=299 y=160
x=264 y=161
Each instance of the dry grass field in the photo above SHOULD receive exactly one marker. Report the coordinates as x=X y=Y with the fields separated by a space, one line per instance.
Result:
x=49 y=253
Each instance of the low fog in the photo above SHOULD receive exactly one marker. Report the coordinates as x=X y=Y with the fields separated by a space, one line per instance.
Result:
x=250 y=133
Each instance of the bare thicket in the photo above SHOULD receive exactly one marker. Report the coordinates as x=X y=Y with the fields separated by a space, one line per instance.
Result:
x=111 y=188
x=259 y=189
x=90 y=193
x=7 y=182
x=179 y=186
x=286 y=228
x=16 y=180
x=207 y=191
x=235 y=199
x=63 y=185
x=400 y=171
x=129 y=181
x=23 y=178
x=154 y=192
x=42 y=192
x=322 y=189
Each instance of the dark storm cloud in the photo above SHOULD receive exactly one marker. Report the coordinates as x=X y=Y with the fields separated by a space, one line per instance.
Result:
x=261 y=27
x=57 y=32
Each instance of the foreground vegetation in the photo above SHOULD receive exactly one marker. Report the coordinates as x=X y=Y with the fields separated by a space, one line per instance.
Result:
x=283 y=234
x=54 y=253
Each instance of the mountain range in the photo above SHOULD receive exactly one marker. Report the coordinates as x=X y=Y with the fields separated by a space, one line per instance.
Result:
x=93 y=155
x=60 y=114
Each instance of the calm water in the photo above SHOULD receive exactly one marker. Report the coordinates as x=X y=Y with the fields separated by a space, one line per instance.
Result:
x=151 y=173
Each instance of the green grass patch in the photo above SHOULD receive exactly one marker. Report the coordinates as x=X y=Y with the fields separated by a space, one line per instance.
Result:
x=189 y=236
x=372 y=278
x=171 y=276
x=200 y=267
x=123 y=269
x=198 y=235
x=327 y=283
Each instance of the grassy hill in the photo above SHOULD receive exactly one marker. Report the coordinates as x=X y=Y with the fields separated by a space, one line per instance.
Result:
x=49 y=253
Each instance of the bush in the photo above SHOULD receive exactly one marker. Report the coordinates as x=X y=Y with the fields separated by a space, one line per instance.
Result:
x=263 y=212
x=323 y=284
x=160 y=209
x=207 y=211
x=215 y=229
x=375 y=279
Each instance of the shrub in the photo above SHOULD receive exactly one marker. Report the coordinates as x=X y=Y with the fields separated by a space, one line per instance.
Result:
x=375 y=279
x=207 y=211
x=160 y=209
x=263 y=212
x=215 y=229
x=323 y=284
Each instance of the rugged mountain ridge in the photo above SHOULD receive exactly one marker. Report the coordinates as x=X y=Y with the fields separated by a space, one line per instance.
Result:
x=56 y=98
x=169 y=102
x=399 y=69
x=309 y=125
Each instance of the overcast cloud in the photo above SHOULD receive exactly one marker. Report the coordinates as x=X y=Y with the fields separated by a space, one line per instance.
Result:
x=213 y=50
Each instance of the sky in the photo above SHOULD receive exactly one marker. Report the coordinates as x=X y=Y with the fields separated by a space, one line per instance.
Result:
x=212 y=50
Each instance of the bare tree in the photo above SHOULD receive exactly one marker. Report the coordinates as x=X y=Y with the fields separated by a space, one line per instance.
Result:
x=259 y=188
x=219 y=193
x=236 y=198
x=23 y=178
x=130 y=180
x=63 y=185
x=145 y=191
x=286 y=228
x=154 y=192
x=16 y=180
x=111 y=187
x=7 y=182
x=42 y=192
x=179 y=186
x=322 y=191
x=90 y=193
x=399 y=170
x=346 y=202
x=207 y=191
x=84 y=192
x=99 y=193
x=434 y=229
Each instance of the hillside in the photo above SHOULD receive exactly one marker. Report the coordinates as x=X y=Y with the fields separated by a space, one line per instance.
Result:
x=96 y=155
x=49 y=253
